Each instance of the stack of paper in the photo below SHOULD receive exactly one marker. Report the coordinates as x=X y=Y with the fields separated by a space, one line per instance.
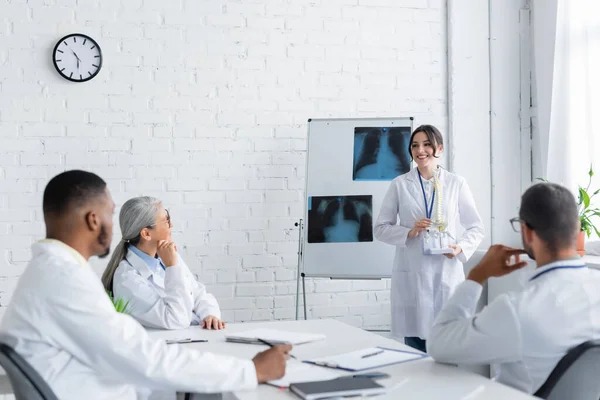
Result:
x=273 y=336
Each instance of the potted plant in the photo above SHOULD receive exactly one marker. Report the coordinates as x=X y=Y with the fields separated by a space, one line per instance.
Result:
x=120 y=304
x=586 y=212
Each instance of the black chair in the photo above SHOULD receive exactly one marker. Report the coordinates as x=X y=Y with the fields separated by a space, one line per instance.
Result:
x=26 y=383
x=576 y=376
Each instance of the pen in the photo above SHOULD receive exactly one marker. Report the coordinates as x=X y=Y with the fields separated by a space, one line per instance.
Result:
x=186 y=340
x=372 y=354
x=271 y=345
x=325 y=364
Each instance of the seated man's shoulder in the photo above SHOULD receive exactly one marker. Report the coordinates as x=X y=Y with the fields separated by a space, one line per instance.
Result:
x=52 y=268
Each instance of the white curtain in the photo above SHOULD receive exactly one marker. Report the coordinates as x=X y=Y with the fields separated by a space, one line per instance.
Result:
x=572 y=140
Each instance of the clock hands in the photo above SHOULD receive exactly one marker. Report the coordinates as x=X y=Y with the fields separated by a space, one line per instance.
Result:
x=78 y=60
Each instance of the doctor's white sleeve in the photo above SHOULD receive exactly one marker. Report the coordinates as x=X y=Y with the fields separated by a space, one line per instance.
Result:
x=205 y=304
x=388 y=227
x=115 y=345
x=173 y=311
x=471 y=221
x=490 y=337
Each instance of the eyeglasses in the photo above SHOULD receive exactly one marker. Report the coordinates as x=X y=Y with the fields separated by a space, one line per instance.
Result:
x=516 y=224
x=168 y=220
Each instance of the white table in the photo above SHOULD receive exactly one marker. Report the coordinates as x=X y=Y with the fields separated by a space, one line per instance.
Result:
x=423 y=379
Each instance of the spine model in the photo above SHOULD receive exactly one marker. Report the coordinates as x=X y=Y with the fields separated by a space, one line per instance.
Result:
x=438 y=216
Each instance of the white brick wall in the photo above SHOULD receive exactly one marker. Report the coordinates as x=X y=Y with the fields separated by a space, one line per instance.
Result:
x=205 y=106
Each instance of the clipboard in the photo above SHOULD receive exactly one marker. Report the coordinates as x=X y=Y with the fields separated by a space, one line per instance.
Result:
x=354 y=361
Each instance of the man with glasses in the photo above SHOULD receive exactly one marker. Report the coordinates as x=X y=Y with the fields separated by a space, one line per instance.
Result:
x=527 y=332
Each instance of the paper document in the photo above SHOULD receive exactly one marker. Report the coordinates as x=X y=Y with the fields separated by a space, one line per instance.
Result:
x=192 y=333
x=273 y=336
x=297 y=372
x=373 y=357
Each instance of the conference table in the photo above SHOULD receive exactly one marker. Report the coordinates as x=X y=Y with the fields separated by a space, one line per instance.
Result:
x=422 y=379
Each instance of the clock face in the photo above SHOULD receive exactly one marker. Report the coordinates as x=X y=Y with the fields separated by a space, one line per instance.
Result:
x=77 y=57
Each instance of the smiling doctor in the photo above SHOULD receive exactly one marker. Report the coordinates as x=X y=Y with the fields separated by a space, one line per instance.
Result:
x=419 y=215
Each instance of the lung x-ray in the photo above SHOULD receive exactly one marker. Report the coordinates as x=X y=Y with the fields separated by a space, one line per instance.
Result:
x=380 y=154
x=334 y=219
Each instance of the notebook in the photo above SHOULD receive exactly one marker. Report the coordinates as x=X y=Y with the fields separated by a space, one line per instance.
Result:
x=297 y=372
x=337 y=387
x=273 y=336
x=373 y=357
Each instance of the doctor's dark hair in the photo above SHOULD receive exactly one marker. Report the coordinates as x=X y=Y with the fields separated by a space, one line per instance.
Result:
x=136 y=214
x=433 y=135
x=550 y=210
x=70 y=190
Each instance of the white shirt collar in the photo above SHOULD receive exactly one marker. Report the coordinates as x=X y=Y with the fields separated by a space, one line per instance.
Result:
x=568 y=263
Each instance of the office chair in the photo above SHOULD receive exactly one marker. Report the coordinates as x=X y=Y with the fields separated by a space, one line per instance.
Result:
x=26 y=383
x=576 y=375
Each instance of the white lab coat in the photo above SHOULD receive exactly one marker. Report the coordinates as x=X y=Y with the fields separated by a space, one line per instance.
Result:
x=172 y=302
x=62 y=322
x=421 y=284
x=527 y=332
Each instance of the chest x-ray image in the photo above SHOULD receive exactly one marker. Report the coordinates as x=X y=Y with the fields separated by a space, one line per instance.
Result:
x=335 y=219
x=380 y=154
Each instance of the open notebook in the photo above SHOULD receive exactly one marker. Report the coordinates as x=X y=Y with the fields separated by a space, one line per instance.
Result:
x=273 y=336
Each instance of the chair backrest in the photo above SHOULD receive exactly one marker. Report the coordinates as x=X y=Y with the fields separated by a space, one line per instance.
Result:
x=576 y=376
x=26 y=383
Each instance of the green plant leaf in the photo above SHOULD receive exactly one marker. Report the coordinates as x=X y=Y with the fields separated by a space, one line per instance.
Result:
x=541 y=179
x=585 y=198
x=584 y=201
x=120 y=304
x=585 y=222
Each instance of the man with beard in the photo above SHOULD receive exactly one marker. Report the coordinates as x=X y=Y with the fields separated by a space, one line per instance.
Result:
x=526 y=332
x=62 y=322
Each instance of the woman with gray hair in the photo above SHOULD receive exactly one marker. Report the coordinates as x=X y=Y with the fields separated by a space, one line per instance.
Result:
x=147 y=271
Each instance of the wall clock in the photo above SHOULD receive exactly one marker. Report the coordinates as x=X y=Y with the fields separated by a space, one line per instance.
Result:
x=77 y=57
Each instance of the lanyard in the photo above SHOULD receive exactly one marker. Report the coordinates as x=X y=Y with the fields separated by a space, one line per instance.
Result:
x=428 y=210
x=558 y=267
